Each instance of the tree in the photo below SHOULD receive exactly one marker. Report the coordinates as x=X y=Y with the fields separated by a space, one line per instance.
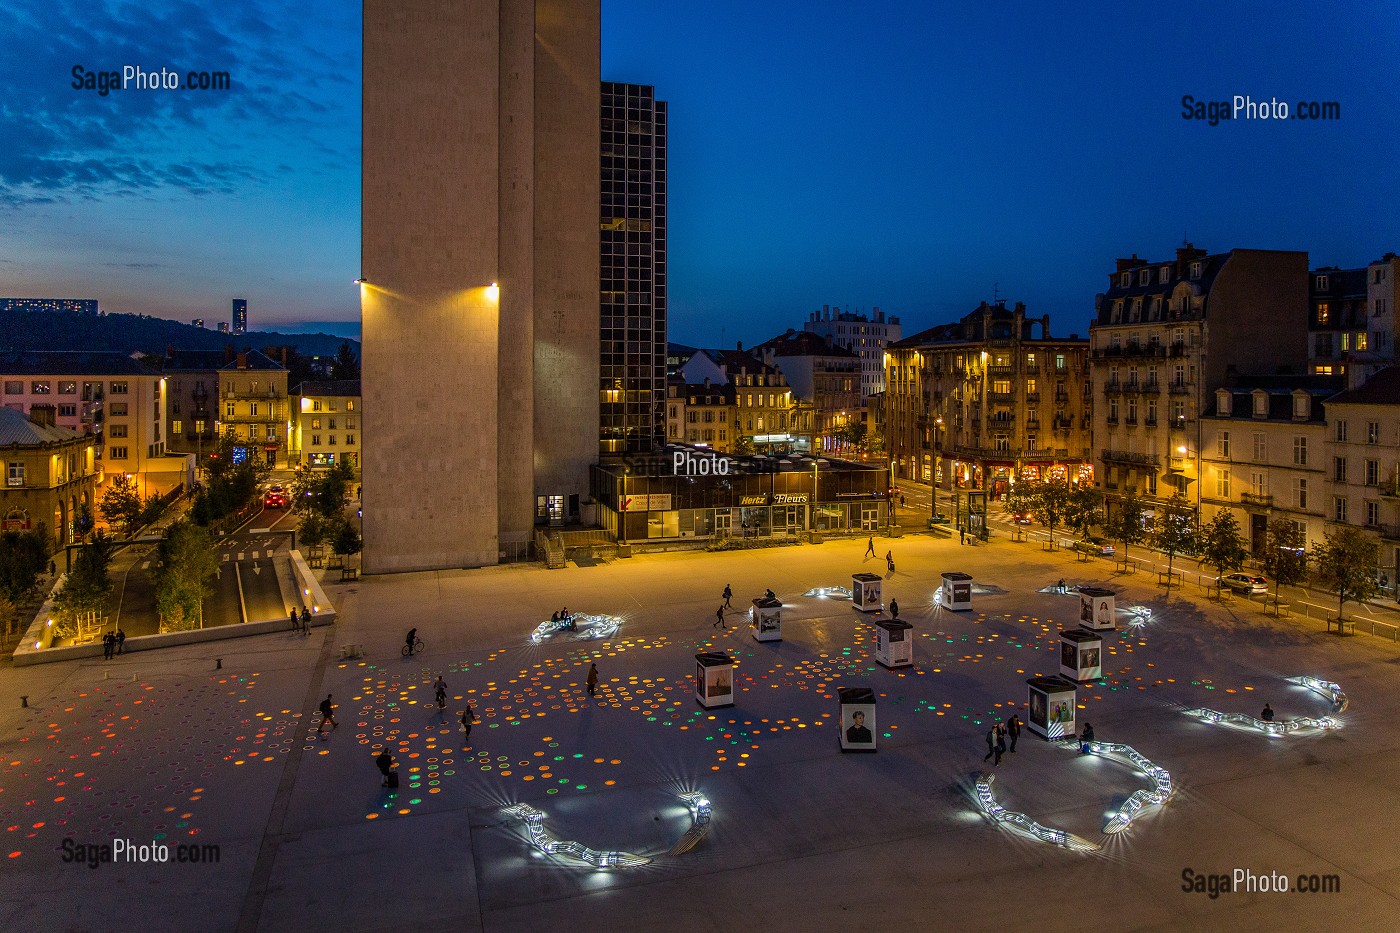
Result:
x=1051 y=504
x=1285 y=556
x=1346 y=562
x=313 y=529
x=1019 y=498
x=1084 y=509
x=9 y=613
x=743 y=445
x=1222 y=544
x=23 y=556
x=121 y=504
x=346 y=364
x=345 y=540
x=1128 y=523
x=187 y=562
x=1174 y=530
x=323 y=491
x=87 y=585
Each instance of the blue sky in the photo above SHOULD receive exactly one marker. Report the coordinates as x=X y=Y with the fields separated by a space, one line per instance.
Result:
x=908 y=155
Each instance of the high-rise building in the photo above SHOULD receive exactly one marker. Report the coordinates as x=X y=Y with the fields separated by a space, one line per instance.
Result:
x=52 y=305
x=866 y=336
x=197 y=322
x=223 y=327
x=240 y=315
x=479 y=276
x=632 y=269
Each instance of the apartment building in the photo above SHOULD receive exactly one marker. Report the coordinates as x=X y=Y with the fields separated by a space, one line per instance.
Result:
x=1362 y=456
x=703 y=414
x=826 y=387
x=762 y=397
x=866 y=336
x=50 y=473
x=326 y=424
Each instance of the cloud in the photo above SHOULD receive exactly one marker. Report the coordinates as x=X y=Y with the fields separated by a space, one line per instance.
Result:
x=133 y=265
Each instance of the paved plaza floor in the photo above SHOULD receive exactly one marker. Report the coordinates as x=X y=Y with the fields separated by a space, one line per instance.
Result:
x=167 y=747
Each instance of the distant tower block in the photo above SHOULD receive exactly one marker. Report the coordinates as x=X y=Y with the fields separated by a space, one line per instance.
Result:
x=479 y=275
x=240 y=315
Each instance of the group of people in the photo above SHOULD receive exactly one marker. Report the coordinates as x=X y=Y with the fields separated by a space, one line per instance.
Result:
x=564 y=620
x=300 y=623
x=998 y=735
x=870 y=552
x=112 y=643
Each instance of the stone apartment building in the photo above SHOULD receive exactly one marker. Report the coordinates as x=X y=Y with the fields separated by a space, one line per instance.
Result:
x=762 y=397
x=826 y=387
x=866 y=336
x=1165 y=336
x=1362 y=457
x=702 y=414
x=1352 y=322
x=967 y=405
x=217 y=392
x=50 y=473
x=326 y=424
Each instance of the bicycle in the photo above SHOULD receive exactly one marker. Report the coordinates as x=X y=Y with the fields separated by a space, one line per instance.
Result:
x=409 y=650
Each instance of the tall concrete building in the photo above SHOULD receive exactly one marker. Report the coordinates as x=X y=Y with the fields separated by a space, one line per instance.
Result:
x=632 y=288
x=240 y=315
x=479 y=268
x=866 y=336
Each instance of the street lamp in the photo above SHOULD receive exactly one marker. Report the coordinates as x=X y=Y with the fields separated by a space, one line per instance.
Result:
x=622 y=506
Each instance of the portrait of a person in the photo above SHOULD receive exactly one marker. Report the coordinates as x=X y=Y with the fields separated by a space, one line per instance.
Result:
x=857 y=733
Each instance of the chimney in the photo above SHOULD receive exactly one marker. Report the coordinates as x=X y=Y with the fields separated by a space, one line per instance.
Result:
x=228 y=353
x=42 y=415
x=243 y=360
x=740 y=346
x=284 y=357
x=1133 y=262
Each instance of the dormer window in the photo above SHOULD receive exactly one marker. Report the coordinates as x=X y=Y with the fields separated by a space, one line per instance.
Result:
x=1300 y=405
x=1145 y=277
x=1195 y=270
x=1125 y=280
x=1261 y=404
x=1164 y=275
x=1224 y=408
x=1321 y=283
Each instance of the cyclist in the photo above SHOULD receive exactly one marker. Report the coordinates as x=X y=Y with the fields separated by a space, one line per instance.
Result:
x=440 y=691
x=410 y=639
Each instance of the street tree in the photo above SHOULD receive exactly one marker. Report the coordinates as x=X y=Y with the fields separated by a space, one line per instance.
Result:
x=1174 y=531
x=1128 y=523
x=1019 y=498
x=86 y=588
x=1084 y=509
x=1285 y=554
x=345 y=540
x=346 y=364
x=1346 y=563
x=24 y=555
x=1051 y=504
x=1222 y=544
x=121 y=505
x=9 y=613
x=187 y=562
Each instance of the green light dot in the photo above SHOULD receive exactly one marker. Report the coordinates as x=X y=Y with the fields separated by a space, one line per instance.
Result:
x=416 y=800
x=578 y=754
x=581 y=786
x=552 y=790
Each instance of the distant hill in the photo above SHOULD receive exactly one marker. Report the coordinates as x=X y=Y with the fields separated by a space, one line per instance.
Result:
x=48 y=330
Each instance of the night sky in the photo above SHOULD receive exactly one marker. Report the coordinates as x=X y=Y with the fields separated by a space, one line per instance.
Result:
x=911 y=156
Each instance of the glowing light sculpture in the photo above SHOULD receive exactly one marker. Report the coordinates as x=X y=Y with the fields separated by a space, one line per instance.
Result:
x=829 y=592
x=699 y=823
x=1332 y=691
x=1328 y=689
x=999 y=814
x=700 y=812
x=586 y=627
x=1132 y=807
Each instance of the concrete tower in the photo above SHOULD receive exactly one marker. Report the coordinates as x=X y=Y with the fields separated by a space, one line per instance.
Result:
x=480 y=264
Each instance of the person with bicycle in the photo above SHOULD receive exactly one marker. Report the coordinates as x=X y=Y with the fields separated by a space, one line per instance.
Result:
x=440 y=691
x=411 y=642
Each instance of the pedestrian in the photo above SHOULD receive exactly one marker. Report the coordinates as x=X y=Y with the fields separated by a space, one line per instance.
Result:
x=962 y=535
x=1268 y=714
x=901 y=500
x=1013 y=729
x=385 y=763
x=1001 y=745
x=889 y=557
x=870 y=547
x=1062 y=584
x=121 y=641
x=894 y=609
x=53 y=569
x=728 y=593
x=305 y=621
x=109 y=644
x=328 y=714
x=593 y=680
x=719 y=618
x=467 y=720
x=889 y=562
x=296 y=620
x=1086 y=738
x=991 y=743
x=554 y=620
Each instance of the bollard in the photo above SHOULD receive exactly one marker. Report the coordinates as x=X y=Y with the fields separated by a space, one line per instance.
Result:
x=133 y=678
x=24 y=702
x=218 y=664
x=106 y=675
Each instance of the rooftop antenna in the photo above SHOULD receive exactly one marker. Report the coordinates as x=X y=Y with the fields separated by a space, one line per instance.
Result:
x=996 y=292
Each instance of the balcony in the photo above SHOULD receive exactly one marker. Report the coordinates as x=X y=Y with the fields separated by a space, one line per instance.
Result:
x=1177 y=350
x=1033 y=397
x=1001 y=371
x=1113 y=388
x=1180 y=388
x=1130 y=458
x=1389 y=489
x=1149 y=421
x=1259 y=500
x=1389 y=532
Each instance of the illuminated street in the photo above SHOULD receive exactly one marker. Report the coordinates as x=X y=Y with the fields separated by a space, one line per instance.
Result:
x=167 y=747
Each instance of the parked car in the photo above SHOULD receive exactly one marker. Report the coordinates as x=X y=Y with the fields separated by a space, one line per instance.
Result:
x=276 y=498
x=1020 y=518
x=1098 y=547
x=1246 y=583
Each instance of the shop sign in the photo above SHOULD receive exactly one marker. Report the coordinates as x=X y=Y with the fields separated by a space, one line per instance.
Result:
x=753 y=500
x=786 y=499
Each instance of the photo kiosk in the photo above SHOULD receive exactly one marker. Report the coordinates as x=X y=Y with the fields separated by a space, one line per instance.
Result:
x=1051 y=707
x=957 y=591
x=865 y=592
x=895 y=647
x=714 y=679
x=766 y=619
x=857 y=719
x=1081 y=655
x=1096 y=609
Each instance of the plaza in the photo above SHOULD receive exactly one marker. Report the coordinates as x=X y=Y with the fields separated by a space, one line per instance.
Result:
x=161 y=746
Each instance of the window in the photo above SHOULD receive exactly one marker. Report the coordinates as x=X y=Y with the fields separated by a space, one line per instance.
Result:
x=1301 y=406
x=38 y=387
x=1132 y=409
x=14 y=473
x=1300 y=493
x=230 y=409
x=14 y=387
x=315 y=424
x=316 y=404
x=116 y=430
x=1125 y=280
x=1339 y=469
x=1152 y=411
x=349 y=404
x=1151 y=484
x=1113 y=410
x=1361 y=341
x=1222 y=444
x=118 y=409
x=1001 y=386
x=1346 y=342
x=67 y=411
x=116 y=453
x=119 y=388
x=1222 y=484
x=1339 y=508
x=1257 y=484
x=1324 y=312
x=176 y=426
x=1145 y=277
x=1030 y=387
x=1373 y=472
x=1059 y=361
x=1179 y=412
x=1373 y=513
x=315 y=440
x=1373 y=432
x=330 y=441
x=1030 y=361
x=1300 y=451
x=1320 y=283
x=1195 y=270
x=1341 y=432
x=692 y=417
x=350 y=440
x=254 y=407
x=271 y=432
x=1031 y=442
x=68 y=388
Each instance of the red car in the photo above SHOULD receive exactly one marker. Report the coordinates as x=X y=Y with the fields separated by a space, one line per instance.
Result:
x=276 y=498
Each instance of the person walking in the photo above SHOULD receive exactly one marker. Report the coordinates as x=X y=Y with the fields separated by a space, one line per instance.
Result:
x=894 y=609
x=121 y=641
x=1001 y=745
x=719 y=619
x=53 y=569
x=1062 y=585
x=870 y=547
x=728 y=594
x=295 y=620
x=962 y=535
x=385 y=763
x=467 y=720
x=327 y=714
x=889 y=563
x=593 y=680
x=1013 y=729
x=991 y=743
x=109 y=644
x=305 y=621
